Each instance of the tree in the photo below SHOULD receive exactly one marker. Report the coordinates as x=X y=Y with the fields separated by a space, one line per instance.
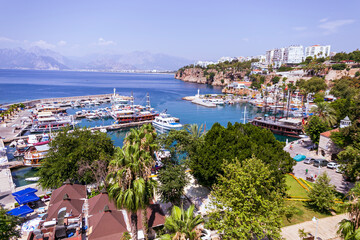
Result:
x=325 y=112
x=70 y=148
x=195 y=130
x=246 y=204
x=314 y=85
x=129 y=171
x=314 y=128
x=322 y=195
x=343 y=88
x=349 y=229
x=275 y=79
x=181 y=224
x=349 y=159
x=173 y=179
x=302 y=233
x=338 y=66
x=238 y=140
x=9 y=225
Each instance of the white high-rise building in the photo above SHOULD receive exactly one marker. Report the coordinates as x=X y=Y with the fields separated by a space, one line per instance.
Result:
x=269 y=56
x=317 y=51
x=294 y=54
x=278 y=58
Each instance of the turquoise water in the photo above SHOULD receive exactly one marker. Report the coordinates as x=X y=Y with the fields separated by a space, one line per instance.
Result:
x=165 y=94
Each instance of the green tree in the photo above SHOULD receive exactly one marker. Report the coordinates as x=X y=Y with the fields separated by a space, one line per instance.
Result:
x=9 y=225
x=349 y=159
x=70 y=148
x=181 y=224
x=325 y=112
x=343 y=88
x=173 y=179
x=349 y=229
x=314 y=127
x=314 y=85
x=245 y=202
x=338 y=66
x=222 y=144
x=275 y=79
x=322 y=195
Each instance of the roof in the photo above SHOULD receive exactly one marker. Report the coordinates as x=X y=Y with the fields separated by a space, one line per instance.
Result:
x=30 y=197
x=155 y=215
x=42 y=148
x=24 y=191
x=21 y=211
x=97 y=203
x=72 y=205
x=75 y=191
x=107 y=225
x=328 y=133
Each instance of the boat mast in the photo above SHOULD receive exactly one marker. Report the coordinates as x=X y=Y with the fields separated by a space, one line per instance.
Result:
x=132 y=101
x=265 y=106
x=288 y=104
x=148 y=102
x=244 y=115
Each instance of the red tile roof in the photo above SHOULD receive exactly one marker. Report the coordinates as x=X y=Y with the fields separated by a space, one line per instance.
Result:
x=97 y=203
x=155 y=215
x=328 y=133
x=107 y=225
x=74 y=191
x=72 y=205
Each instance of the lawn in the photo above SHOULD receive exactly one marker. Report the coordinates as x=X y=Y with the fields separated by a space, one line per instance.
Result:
x=301 y=211
x=295 y=189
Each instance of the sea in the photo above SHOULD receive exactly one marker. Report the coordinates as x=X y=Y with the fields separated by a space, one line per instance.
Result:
x=165 y=93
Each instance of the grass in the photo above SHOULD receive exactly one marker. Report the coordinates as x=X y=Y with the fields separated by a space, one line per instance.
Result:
x=295 y=189
x=301 y=213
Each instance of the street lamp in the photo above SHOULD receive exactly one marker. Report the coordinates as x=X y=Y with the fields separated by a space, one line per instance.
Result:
x=314 y=219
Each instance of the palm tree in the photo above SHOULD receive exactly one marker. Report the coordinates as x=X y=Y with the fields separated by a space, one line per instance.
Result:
x=350 y=229
x=181 y=224
x=195 y=130
x=325 y=113
x=129 y=182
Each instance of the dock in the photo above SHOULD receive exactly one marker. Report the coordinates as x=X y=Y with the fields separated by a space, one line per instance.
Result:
x=7 y=185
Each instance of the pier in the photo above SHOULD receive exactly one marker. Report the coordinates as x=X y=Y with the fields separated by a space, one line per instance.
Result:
x=7 y=185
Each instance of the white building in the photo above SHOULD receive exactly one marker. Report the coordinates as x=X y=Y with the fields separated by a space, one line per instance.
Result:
x=204 y=63
x=224 y=59
x=294 y=54
x=278 y=58
x=269 y=56
x=318 y=51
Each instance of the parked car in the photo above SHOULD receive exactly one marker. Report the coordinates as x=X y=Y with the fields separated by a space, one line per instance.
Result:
x=309 y=160
x=320 y=162
x=332 y=165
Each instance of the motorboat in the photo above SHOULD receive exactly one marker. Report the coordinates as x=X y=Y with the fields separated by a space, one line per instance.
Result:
x=32 y=179
x=164 y=123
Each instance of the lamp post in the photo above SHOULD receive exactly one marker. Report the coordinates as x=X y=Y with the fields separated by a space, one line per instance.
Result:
x=314 y=219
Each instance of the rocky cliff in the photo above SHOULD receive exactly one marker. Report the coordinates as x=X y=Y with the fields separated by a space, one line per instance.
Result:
x=209 y=76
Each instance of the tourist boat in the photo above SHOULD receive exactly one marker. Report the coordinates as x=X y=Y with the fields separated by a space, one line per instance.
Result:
x=164 y=123
x=34 y=154
x=217 y=101
x=51 y=123
x=290 y=127
x=50 y=108
x=136 y=117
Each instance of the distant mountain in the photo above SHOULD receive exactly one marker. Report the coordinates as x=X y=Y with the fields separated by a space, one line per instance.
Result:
x=45 y=59
x=19 y=58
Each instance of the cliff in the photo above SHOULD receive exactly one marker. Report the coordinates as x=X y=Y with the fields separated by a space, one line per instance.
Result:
x=209 y=76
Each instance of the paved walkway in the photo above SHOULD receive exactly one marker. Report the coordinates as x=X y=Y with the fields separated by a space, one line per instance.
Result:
x=327 y=228
x=8 y=131
x=300 y=168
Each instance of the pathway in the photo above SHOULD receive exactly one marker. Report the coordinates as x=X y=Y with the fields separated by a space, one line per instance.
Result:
x=327 y=228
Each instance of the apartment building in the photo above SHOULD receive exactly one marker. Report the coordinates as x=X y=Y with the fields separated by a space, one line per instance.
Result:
x=317 y=51
x=294 y=54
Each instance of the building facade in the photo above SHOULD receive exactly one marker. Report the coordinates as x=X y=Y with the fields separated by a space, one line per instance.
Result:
x=317 y=51
x=294 y=54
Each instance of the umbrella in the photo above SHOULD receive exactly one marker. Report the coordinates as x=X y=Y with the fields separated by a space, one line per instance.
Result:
x=299 y=158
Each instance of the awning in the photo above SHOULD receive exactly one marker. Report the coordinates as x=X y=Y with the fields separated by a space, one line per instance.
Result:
x=42 y=148
x=21 y=211
x=24 y=191
x=299 y=158
x=31 y=197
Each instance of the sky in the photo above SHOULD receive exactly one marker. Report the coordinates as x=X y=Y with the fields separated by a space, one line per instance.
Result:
x=195 y=29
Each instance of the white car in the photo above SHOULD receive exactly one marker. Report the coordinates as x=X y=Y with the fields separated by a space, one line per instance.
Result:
x=332 y=165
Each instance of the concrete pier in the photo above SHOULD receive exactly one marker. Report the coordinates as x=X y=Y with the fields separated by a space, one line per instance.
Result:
x=6 y=182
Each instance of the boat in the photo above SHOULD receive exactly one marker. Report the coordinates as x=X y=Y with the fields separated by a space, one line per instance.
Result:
x=164 y=123
x=290 y=127
x=32 y=179
x=202 y=102
x=136 y=117
x=51 y=123
x=217 y=101
x=34 y=154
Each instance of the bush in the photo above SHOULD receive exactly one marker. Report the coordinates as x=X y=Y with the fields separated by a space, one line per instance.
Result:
x=357 y=74
x=338 y=66
x=322 y=195
x=284 y=69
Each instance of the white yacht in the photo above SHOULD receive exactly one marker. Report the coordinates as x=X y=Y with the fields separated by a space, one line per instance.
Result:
x=164 y=123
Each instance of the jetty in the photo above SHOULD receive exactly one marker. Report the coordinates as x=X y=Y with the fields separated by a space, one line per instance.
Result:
x=7 y=185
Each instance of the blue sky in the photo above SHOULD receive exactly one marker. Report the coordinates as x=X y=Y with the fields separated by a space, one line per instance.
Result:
x=197 y=29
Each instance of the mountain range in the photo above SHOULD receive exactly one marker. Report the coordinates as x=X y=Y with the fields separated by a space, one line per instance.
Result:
x=46 y=59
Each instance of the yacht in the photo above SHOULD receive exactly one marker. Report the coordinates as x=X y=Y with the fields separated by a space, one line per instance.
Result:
x=34 y=154
x=164 y=123
x=51 y=123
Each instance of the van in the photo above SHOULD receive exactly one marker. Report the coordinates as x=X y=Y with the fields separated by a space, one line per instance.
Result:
x=320 y=162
